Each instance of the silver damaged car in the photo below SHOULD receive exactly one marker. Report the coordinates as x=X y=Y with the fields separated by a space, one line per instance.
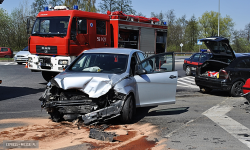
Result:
x=104 y=83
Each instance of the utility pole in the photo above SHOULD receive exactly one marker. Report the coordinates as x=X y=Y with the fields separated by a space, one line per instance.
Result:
x=219 y=20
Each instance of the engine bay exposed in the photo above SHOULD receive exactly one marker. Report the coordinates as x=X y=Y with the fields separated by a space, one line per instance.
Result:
x=74 y=104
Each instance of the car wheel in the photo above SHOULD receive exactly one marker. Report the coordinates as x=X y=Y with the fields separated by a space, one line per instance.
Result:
x=128 y=110
x=6 y=56
x=56 y=116
x=48 y=75
x=236 y=89
x=205 y=89
x=19 y=63
x=188 y=71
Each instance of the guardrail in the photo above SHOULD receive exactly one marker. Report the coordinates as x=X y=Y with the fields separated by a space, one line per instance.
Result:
x=175 y=53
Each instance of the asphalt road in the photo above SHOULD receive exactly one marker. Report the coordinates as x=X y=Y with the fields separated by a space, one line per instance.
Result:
x=197 y=121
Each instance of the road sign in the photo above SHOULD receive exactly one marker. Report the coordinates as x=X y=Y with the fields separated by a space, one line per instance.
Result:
x=181 y=45
x=199 y=42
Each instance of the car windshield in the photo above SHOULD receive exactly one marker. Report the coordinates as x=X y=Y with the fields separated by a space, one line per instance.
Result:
x=26 y=49
x=50 y=26
x=100 y=63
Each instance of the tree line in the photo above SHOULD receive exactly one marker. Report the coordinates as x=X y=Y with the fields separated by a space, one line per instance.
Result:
x=180 y=30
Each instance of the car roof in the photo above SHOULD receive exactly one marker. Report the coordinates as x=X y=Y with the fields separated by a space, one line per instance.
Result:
x=112 y=50
x=242 y=54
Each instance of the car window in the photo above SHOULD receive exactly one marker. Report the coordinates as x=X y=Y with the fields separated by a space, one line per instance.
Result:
x=4 y=49
x=158 y=63
x=100 y=63
x=100 y=27
x=204 y=57
x=133 y=63
x=26 y=49
x=245 y=63
x=196 y=57
x=141 y=56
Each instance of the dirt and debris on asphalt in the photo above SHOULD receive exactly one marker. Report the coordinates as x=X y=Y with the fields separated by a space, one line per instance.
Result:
x=61 y=135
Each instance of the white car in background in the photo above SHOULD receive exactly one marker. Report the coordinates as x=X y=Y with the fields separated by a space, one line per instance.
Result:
x=22 y=56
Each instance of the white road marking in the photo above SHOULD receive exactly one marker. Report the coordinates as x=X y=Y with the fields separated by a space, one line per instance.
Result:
x=218 y=115
x=10 y=63
x=187 y=82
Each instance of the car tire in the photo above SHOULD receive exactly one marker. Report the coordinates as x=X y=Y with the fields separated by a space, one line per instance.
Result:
x=205 y=89
x=6 y=56
x=128 y=110
x=19 y=63
x=188 y=71
x=47 y=75
x=56 y=116
x=236 y=89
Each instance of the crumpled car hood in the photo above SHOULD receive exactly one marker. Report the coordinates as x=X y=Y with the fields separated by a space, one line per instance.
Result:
x=93 y=84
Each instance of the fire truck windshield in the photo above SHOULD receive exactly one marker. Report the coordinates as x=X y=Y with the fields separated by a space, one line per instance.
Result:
x=50 y=26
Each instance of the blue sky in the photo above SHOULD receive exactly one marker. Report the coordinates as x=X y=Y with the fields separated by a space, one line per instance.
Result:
x=238 y=10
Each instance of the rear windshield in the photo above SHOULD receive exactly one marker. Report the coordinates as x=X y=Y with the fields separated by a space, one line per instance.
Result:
x=219 y=47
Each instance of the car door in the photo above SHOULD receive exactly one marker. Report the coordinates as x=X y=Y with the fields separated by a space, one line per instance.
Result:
x=195 y=61
x=157 y=85
x=241 y=70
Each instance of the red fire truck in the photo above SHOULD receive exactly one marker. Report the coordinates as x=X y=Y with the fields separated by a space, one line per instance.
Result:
x=58 y=36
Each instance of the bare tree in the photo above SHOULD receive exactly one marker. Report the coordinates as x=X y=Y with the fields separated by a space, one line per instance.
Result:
x=86 y=5
x=55 y=2
x=170 y=16
x=37 y=6
x=107 y=5
x=125 y=6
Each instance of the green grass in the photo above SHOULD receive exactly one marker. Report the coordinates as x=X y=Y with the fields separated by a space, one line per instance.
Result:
x=6 y=59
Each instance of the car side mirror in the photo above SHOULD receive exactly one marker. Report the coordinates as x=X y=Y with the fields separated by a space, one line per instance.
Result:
x=141 y=71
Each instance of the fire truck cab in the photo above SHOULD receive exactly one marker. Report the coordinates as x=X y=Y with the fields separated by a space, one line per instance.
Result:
x=58 y=36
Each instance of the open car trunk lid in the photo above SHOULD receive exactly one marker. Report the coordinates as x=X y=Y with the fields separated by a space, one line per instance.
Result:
x=220 y=48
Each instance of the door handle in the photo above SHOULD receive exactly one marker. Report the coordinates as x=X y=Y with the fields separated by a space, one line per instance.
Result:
x=172 y=76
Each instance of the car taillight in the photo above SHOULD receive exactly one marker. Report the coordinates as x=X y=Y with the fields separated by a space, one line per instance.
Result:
x=223 y=74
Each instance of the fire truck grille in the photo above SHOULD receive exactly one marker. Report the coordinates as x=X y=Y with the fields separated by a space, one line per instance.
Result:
x=46 y=49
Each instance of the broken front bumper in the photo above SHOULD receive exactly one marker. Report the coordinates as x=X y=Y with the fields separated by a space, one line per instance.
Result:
x=83 y=109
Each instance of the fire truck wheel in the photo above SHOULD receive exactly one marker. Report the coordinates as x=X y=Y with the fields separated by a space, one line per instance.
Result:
x=128 y=110
x=47 y=75
x=188 y=71
x=236 y=89
x=205 y=89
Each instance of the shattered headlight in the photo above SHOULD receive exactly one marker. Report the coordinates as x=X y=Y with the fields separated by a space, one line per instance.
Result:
x=62 y=62
x=30 y=59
